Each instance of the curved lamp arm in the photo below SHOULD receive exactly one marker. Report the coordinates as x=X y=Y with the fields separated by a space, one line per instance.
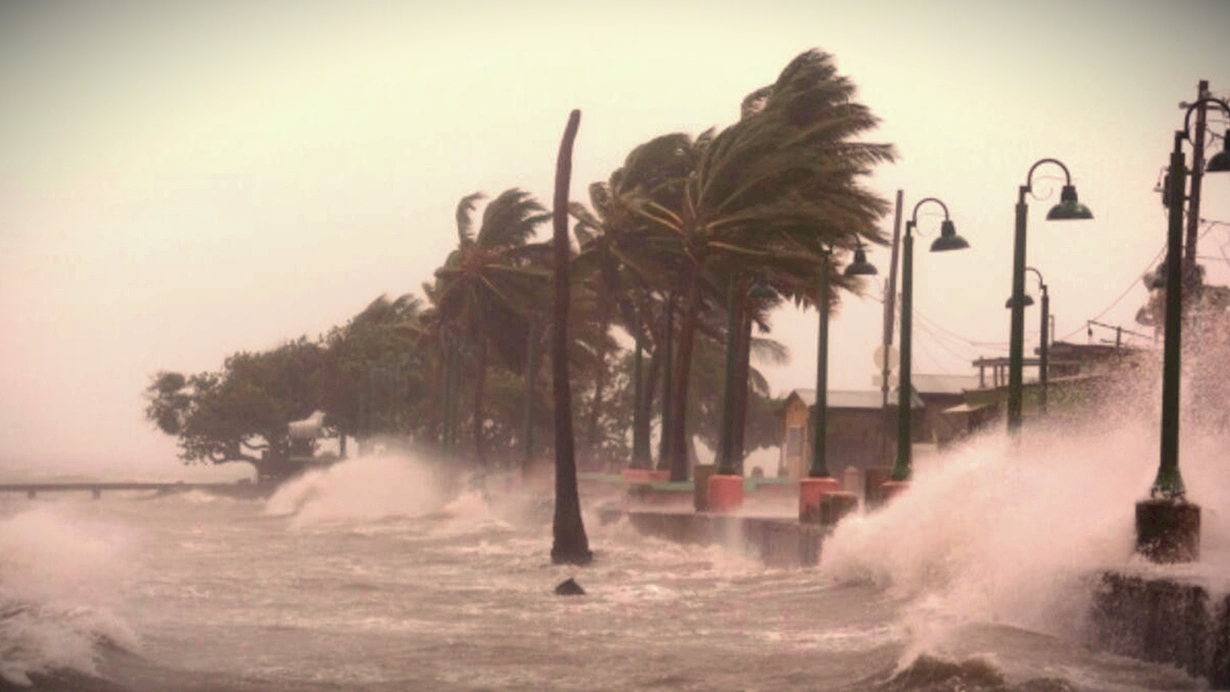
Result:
x=1041 y=281
x=914 y=215
x=1029 y=178
x=1187 y=117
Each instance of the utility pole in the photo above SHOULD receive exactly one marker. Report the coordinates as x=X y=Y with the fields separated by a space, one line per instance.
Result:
x=1193 y=209
x=890 y=312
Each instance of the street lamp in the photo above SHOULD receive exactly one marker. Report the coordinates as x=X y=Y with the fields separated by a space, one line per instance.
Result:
x=819 y=481
x=948 y=240
x=1167 y=526
x=1069 y=208
x=1045 y=345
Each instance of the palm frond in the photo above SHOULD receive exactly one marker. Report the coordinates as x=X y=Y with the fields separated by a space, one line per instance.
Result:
x=465 y=221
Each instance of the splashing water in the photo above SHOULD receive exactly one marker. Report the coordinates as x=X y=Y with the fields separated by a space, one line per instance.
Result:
x=58 y=569
x=365 y=489
x=1011 y=533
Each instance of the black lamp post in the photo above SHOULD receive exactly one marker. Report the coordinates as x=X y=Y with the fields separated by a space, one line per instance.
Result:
x=1069 y=208
x=1167 y=526
x=948 y=240
x=1044 y=339
x=859 y=267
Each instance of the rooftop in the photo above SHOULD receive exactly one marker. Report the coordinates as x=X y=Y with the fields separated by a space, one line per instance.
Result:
x=856 y=399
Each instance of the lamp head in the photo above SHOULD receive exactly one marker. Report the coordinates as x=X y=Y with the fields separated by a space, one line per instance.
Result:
x=1220 y=163
x=1069 y=207
x=1026 y=301
x=860 y=266
x=948 y=240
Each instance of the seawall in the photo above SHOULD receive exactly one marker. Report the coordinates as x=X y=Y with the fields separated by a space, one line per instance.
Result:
x=1181 y=620
x=776 y=541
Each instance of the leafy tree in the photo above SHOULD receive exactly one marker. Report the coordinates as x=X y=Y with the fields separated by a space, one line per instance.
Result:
x=375 y=383
x=242 y=412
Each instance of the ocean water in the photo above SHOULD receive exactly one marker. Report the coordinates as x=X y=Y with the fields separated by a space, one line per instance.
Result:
x=372 y=576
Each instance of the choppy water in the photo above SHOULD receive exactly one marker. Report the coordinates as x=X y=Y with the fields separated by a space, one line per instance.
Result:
x=367 y=577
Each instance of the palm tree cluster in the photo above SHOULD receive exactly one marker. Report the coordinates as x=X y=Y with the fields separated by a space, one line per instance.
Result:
x=690 y=234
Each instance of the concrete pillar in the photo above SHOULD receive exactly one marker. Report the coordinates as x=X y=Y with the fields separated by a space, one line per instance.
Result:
x=811 y=491
x=725 y=493
x=891 y=489
x=1168 y=530
x=700 y=487
x=835 y=506
x=852 y=480
x=873 y=493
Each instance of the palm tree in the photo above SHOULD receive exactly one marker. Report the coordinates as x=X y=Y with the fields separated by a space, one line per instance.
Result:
x=570 y=542
x=766 y=195
x=487 y=286
x=610 y=265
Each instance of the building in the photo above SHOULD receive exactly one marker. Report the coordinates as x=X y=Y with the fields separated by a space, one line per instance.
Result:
x=860 y=430
x=1077 y=379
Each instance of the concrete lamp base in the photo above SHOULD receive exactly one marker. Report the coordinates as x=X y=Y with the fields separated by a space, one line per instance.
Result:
x=835 y=506
x=1168 y=530
x=725 y=493
x=811 y=490
x=891 y=489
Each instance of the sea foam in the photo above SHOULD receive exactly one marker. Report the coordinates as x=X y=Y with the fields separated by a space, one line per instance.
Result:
x=59 y=573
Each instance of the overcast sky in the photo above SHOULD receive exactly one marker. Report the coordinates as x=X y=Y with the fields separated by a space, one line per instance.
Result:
x=180 y=181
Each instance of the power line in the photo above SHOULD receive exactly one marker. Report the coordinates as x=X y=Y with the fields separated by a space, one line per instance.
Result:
x=1211 y=223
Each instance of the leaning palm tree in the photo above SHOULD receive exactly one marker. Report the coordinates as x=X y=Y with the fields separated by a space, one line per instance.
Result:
x=488 y=285
x=767 y=195
x=570 y=543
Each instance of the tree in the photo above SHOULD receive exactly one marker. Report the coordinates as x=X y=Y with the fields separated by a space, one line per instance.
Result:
x=241 y=413
x=570 y=542
x=487 y=286
x=374 y=383
x=767 y=195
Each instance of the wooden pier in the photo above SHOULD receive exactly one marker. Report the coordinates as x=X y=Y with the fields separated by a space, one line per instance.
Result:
x=237 y=490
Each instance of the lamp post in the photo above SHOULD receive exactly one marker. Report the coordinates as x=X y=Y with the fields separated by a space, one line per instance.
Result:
x=1069 y=208
x=948 y=240
x=819 y=481
x=1044 y=338
x=1167 y=526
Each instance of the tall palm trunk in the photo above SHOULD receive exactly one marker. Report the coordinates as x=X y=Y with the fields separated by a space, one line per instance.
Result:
x=600 y=377
x=743 y=344
x=680 y=376
x=668 y=346
x=528 y=382
x=570 y=542
x=640 y=428
x=480 y=384
x=650 y=393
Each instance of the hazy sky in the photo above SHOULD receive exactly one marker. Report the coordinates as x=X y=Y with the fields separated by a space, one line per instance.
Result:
x=180 y=181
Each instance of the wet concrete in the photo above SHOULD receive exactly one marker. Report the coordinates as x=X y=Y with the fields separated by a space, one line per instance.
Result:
x=1176 y=620
x=776 y=541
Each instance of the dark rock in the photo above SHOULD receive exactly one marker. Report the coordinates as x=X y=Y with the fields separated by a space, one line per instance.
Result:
x=569 y=587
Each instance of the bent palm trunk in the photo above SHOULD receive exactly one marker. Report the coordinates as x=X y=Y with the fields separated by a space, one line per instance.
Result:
x=571 y=545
